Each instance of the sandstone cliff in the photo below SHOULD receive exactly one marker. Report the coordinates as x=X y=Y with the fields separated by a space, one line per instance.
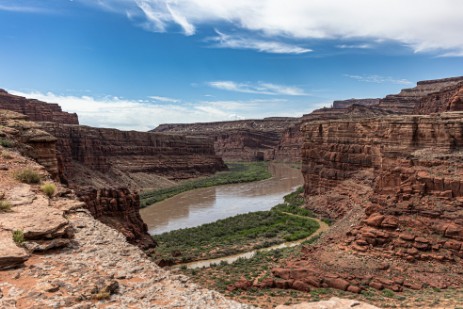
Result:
x=36 y=110
x=109 y=157
x=68 y=259
x=406 y=101
x=392 y=184
x=243 y=140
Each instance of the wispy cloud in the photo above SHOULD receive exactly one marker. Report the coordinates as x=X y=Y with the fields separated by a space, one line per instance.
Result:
x=125 y=114
x=378 y=79
x=164 y=99
x=258 y=88
x=355 y=46
x=24 y=9
x=435 y=26
x=240 y=42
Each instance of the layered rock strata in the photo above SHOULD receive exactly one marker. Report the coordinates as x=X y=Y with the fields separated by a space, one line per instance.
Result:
x=68 y=259
x=405 y=102
x=393 y=185
x=117 y=157
x=243 y=140
x=36 y=110
x=119 y=208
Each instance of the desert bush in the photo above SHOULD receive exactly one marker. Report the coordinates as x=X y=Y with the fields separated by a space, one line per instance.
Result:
x=6 y=143
x=49 y=189
x=18 y=236
x=28 y=176
x=5 y=206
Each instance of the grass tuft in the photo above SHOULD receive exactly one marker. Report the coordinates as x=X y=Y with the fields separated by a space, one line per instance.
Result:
x=18 y=236
x=48 y=189
x=28 y=176
x=5 y=206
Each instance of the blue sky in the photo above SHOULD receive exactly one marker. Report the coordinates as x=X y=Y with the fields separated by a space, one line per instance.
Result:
x=133 y=64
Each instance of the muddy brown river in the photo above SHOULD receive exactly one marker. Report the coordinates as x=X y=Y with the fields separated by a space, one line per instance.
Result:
x=196 y=207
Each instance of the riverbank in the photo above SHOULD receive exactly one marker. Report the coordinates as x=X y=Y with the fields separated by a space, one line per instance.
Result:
x=238 y=172
x=285 y=222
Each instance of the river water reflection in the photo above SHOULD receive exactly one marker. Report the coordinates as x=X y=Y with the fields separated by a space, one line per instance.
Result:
x=206 y=205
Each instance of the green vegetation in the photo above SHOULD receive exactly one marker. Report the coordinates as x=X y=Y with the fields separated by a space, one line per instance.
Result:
x=237 y=173
x=48 y=189
x=6 y=143
x=237 y=234
x=28 y=176
x=292 y=204
x=5 y=206
x=18 y=236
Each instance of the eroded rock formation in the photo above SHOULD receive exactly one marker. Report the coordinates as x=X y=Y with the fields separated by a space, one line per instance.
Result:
x=113 y=158
x=243 y=140
x=119 y=208
x=392 y=185
x=70 y=259
x=36 y=110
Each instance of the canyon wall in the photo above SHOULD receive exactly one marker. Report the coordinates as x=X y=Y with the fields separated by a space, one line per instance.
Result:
x=94 y=161
x=242 y=140
x=36 y=110
x=407 y=99
x=119 y=208
x=393 y=186
x=120 y=158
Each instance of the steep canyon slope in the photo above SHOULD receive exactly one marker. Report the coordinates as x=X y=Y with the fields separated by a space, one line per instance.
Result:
x=393 y=185
x=103 y=164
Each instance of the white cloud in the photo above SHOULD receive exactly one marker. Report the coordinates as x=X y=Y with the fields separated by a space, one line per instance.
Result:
x=378 y=79
x=259 y=88
x=163 y=99
x=424 y=25
x=240 y=42
x=123 y=114
x=23 y=9
x=355 y=46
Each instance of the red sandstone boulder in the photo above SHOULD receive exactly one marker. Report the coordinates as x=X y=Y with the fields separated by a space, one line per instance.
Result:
x=337 y=283
x=375 y=220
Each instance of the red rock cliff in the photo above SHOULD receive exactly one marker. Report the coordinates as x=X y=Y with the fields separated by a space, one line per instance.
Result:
x=123 y=157
x=119 y=208
x=393 y=184
x=36 y=110
x=243 y=140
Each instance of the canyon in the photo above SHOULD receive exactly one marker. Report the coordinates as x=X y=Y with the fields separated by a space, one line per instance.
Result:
x=280 y=139
x=391 y=183
x=387 y=172
x=105 y=167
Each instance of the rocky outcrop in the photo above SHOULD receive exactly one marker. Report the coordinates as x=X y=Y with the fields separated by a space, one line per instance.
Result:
x=407 y=100
x=243 y=140
x=119 y=208
x=116 y=157
x=36 y=110
x=70 y=259
x=447 y=100
x=16 y=131
x=348 y=103
x=393 y=185
x=332 y=303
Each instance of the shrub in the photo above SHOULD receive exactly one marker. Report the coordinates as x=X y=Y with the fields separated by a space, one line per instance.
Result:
x=6 y=143
x=28 y=176
x=102 y=295
x=49 y=189
x=18 y=236
x=5 y=206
